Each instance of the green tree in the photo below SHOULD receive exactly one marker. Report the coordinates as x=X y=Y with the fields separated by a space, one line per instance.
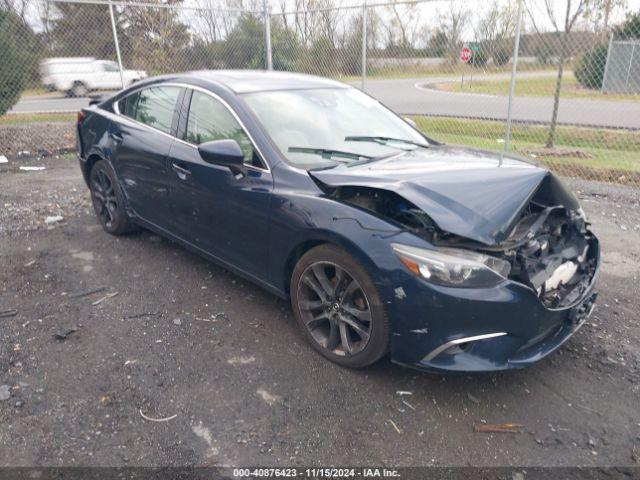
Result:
x=158 y=41
x=478 y=59
x=83 y=31
x=19 y=47
x=590 y=69
x=501 y=55
x=323 y=58
x=630 y=28
x=437 y=45
x=244 y=47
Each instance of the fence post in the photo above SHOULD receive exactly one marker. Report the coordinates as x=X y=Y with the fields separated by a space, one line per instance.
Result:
x=512 y=84
x=606 y=63
x=267 y=35
x=364 y=45
x=115 y=40
x=626 y=83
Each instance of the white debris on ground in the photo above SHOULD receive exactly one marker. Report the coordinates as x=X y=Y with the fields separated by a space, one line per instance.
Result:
x=269 y=398
x=27 y=168
x=53 y=219
x=241 y=360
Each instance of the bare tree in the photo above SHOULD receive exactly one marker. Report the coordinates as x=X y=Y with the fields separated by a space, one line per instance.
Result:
x=498 y=24
x=600 y=14
x=330 y=16
x=403 y=25
x=452 y=24
x=562 y=21
x=19 y=7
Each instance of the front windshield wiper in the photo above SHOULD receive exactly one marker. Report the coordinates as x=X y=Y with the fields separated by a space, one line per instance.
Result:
x=329 y=153
x=384 y=141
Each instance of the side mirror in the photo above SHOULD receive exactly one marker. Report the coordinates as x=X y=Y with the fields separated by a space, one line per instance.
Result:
x=226 y=153
x=411 y=122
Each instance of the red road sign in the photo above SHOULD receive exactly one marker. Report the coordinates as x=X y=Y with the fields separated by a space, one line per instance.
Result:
x=465 y=54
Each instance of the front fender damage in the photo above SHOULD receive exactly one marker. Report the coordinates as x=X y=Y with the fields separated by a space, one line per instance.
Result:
x=546 y=240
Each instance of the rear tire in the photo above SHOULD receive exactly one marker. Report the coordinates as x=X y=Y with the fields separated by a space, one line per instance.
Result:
x=339 y=308
x=108 y=200
x=79 y=89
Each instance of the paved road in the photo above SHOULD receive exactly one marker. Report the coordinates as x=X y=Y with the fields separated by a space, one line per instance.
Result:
x=414 y=95
x=184 y=337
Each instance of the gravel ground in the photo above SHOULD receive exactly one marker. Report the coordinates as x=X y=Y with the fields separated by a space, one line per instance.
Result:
x=36 y=140
x=186 y=338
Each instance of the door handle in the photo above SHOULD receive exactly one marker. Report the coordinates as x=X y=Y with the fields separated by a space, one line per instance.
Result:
x=182 y=172
x=115 y=137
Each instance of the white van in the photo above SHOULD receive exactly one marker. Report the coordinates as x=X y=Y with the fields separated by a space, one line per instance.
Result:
x=76 y=76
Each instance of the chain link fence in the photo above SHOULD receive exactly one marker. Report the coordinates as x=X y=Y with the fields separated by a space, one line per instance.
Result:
x=555 y=82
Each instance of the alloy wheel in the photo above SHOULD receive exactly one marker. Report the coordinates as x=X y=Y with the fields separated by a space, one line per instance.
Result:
x=104 y=198
x=334 y=308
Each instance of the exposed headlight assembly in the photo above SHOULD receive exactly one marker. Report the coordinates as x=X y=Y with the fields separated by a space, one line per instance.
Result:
x=453 y=267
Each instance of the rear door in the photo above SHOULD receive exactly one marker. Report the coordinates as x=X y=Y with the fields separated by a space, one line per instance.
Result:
x=223 y=214
x=142 y=139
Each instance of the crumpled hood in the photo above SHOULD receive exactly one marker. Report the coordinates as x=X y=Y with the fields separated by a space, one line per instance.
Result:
x=475 y=194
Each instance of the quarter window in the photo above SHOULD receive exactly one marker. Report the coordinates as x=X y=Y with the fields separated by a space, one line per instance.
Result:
x=210 y=120
x=127 y=106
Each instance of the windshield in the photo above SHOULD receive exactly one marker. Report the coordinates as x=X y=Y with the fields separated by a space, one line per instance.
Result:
x=308 y=125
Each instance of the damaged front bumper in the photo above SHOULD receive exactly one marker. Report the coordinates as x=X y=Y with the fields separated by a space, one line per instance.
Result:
x=485 y=329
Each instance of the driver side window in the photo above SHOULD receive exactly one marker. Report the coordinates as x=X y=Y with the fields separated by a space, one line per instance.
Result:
x=210 y=120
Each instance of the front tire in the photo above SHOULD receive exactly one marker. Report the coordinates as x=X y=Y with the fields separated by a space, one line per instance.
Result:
x=108 y=200
x=338 y=307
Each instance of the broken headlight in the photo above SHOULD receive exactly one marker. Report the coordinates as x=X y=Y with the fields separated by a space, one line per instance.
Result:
x=452 y=267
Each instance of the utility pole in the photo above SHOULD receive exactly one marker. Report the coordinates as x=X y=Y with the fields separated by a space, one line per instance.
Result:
x=115 y=40
x=267 y=35
x=512 y=84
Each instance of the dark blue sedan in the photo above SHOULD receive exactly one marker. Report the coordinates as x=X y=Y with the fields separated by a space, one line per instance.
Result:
x=384 y=240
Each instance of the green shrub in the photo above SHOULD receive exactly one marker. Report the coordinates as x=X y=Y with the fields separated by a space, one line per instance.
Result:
x=479 y=59
x=501 y=56
x=590 y=69
x=18 y=61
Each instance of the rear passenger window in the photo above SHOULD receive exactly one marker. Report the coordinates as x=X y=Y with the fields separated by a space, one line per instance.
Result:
x=152 y=106
x=210 y=120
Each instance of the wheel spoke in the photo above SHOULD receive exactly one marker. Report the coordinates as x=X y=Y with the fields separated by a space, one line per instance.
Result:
x=334 y=337
x=361 y=330
x=317 y=320
x=96 y=185
x=323 y=280
x=345 y=339
x=310 y=304
x=311 y=282
x=352 y=287
x=362 y=315
x=340 y=278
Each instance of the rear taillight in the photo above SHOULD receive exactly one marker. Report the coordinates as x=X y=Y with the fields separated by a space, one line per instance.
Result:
x=80 y=117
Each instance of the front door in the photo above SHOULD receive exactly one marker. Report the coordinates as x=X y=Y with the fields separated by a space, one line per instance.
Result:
x=219 y=212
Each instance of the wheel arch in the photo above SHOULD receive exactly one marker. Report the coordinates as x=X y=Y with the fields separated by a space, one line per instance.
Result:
x=323 y=238
x=91 y=160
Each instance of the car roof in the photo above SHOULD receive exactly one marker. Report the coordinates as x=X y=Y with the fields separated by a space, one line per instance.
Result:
x=246 y=81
